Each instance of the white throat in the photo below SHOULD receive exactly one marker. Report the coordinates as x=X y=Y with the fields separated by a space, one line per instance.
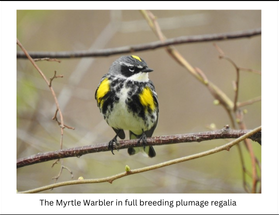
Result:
x=141 y=76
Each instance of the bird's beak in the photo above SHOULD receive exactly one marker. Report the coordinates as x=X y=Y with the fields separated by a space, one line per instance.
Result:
x=147 y=70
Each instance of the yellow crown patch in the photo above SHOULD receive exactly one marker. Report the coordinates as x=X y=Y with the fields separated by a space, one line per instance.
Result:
x=136 y=57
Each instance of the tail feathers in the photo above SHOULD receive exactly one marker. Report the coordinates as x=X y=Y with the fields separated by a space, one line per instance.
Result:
x=149 y=150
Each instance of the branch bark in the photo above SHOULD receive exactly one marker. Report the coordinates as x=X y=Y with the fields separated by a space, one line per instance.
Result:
x=224 y=133
x=146 y=46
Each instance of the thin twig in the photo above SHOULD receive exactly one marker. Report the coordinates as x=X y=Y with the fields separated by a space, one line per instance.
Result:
x=248 y=144
x=110 y=179
x=53 y=77
x=249 y=102
x=245 y=186
x=236 y=82
x=250 y=70
x=62 y=167
x=61 y=123
x=147 y=46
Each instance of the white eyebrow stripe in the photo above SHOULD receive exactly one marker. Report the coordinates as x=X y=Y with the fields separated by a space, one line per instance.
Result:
x=126 y=64
x=130 y=65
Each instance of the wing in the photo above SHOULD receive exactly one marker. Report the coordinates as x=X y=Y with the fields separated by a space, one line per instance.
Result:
x=149 y=150
x=102 y=91
x=103 y=98
x=155 y=98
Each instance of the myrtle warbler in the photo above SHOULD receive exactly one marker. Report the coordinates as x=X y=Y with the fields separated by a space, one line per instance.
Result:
x=128 y=101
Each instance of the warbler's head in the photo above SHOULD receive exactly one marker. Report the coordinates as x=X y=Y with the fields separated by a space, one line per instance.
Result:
x=131 y=67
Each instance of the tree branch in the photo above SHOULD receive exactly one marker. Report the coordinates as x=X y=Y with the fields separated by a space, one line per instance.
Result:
x=128 y=171
x=123 y=144
x=26 y=54
x=146 y=46
x=58 y=110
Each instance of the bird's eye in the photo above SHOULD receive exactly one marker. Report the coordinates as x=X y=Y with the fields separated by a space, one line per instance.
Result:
x=132 y=69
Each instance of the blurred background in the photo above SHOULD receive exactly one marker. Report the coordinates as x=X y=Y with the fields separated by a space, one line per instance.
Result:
x=185 y=104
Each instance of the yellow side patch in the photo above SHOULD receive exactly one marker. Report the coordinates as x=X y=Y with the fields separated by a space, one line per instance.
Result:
x=146 y=98
x=102 y=91
x=136 y=57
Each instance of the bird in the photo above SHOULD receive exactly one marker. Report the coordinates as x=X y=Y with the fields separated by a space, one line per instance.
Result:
x=128 y=101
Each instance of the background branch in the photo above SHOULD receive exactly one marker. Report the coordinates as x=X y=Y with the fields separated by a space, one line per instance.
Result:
x=123 y=144
x=146 y=46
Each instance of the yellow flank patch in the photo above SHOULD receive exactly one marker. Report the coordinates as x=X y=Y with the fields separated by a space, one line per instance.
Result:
x=146 y=98
x=136 y=57
x=102 y=91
